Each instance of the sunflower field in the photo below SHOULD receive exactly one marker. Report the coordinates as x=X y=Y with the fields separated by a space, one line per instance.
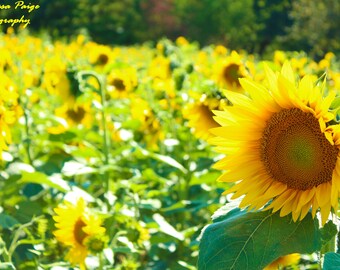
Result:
x=169 y=156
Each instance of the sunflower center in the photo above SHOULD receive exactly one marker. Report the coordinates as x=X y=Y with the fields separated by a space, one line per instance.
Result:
x=76 y=114
x=118 y=84
x=102 y=59
x=231 y=73
x=295 y=152
x=78 y=232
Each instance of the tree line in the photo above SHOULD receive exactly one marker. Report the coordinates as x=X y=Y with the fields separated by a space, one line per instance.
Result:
x=258 y=26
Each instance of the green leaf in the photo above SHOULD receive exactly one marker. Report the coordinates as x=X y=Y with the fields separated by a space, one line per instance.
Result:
x=41 y=178
x=328 y=232
x=335 y=104
x=165 y=159
x=63 y=137
x=335 y=107
x=167 y=228
x=331 y=261
x=7 y=222
x=26 y=210
x=72 y=168
x=252 y=240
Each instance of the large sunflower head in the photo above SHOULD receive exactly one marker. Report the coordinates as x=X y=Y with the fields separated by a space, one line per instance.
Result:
x=77 y=228
x=282 y=150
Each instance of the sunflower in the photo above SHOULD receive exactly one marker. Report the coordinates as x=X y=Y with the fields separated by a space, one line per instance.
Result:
x=200 y=116
x=72 y=114
x=160 y=68
x=6 y=61
x=182 y=41
x=121 y=82
x=281 y=145
x=55 y=78
x=220 y=50
x=100 y=55
x=6 y=119
x=288 y=260
x=150 y=129
x=10 y=110
x=228 y=71
x=79 y=230
x=279 y=57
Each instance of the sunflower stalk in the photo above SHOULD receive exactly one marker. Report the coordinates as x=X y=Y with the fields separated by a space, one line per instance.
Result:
x=106 y=144
x=101 y=261
x=18 y=233
x=23 y=100
x=27 y=135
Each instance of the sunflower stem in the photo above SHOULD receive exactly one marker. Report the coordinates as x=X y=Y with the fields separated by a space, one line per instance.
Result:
x=102 y=91
x=15 y=241
x=101 y=261
x=27 y=135
x=23 y=100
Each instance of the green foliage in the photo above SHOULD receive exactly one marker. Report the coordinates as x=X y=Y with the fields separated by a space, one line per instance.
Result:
x=259 y=26
x=121 y=19
x=332 y=261
x=230 y=22
x=7 y=222
x=272 y=18
x=314 y=29
x=252 y=240
x=135 y=162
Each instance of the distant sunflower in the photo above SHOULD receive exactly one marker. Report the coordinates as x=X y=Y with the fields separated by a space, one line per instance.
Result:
x=200 y=116
x=150 y=127
x=55 y=78
x=228 y=71
x=99 y=55
x=120 y=83
x=77 y=114
x=160 y=68
x=78 y=229
x=281 y=146
x=6 y=119
x=9 y=110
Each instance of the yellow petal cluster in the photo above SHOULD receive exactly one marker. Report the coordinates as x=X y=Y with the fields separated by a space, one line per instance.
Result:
x=75 y=226
x=281 y=150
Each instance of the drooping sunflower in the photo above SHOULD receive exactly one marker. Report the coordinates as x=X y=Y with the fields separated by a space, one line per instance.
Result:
x=78 y=229
x=281 y=147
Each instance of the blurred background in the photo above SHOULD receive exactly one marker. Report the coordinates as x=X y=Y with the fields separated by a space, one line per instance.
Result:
x=257 y=26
